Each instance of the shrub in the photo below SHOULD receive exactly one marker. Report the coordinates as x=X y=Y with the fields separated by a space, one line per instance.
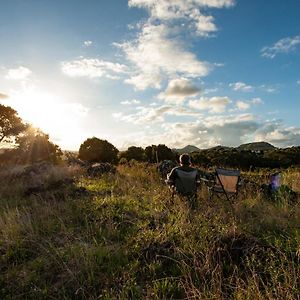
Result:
x=96 y=150
x=137 y=153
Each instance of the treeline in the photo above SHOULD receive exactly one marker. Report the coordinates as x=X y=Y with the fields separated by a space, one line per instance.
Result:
x=29 y=145
x=247 y=159
x=216 y=157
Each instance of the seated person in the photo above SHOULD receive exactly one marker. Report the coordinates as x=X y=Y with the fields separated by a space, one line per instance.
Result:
x=184 y=179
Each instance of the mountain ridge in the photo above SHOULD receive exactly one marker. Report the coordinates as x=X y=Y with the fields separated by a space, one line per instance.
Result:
x=255 y=146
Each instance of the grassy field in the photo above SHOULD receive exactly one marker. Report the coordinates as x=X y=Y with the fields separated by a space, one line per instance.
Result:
x=122 y=236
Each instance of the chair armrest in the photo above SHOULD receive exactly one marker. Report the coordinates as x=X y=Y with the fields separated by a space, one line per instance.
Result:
x=207 y=181
x=169 y=182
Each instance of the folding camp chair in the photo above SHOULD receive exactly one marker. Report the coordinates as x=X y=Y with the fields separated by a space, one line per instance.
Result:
x=185 y=185
x=225 y=184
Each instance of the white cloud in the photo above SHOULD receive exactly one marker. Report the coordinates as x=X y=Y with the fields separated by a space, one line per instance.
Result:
x=269 y=88
x=144 y=80
x=204 y=24
x=227 y=130
x=164 y=5
x=277 y=134
x=155 y=55
x=242 y=105
x=241 y=86
x=87 y=43
x=285 y=45
x=210 y=91
x=212 y=131
x=178 y=89
x=256 y=100
x=92 y=68
x=152 y=114
x=187 y=10
x=159 y=51
x=130 y=102
x=213 y=104
x=19 y=73
x=298 y=81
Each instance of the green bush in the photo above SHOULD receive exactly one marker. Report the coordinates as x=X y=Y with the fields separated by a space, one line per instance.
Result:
x=96 y=150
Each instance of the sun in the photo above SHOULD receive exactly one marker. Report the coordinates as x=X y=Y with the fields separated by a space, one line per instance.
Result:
x=52 y=114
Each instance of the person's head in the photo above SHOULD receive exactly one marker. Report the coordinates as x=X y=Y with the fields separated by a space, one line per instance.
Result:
x=185 y=159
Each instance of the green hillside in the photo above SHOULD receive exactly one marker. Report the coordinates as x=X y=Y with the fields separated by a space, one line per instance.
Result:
x=257 y=146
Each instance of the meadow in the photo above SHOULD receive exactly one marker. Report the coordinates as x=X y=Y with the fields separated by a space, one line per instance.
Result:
x=122 y=236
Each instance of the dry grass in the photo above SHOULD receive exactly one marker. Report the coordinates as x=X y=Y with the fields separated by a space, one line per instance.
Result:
x=128 y=239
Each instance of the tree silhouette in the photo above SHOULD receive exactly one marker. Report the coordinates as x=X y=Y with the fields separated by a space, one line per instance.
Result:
x=137 y=153
x=11 y=125
x=159 y=153
x=96 y=150
x=34 y=146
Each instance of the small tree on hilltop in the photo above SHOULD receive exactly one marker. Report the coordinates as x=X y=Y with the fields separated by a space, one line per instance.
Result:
x=11 y=125
x=96 y=150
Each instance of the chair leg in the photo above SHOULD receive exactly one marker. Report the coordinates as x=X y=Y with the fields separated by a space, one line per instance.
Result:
x=210 y=194
x=193 y=201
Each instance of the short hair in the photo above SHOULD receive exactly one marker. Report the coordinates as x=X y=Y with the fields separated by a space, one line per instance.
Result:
x=185 y=159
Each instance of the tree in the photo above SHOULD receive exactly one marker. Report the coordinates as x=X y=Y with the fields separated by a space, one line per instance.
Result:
x=137 y=153
x=159 y=153
x=11 y=125
x=34 y=146
x=96 y=150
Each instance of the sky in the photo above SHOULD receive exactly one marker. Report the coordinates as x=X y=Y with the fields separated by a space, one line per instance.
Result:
x=142 y=72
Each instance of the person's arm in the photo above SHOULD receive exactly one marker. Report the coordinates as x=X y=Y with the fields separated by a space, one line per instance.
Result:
x=198 y=178
x=171 y=177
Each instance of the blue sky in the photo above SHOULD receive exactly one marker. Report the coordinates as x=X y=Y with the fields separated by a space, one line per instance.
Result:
x=140 y=72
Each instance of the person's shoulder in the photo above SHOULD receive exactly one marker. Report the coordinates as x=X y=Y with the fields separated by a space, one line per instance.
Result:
x=187 y=168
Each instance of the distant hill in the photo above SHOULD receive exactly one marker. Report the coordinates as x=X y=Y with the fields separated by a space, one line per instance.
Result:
x=257 y=146
x=217 y=148
x=187 y=149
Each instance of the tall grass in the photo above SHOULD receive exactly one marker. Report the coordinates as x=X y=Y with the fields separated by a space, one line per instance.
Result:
x=127 y=238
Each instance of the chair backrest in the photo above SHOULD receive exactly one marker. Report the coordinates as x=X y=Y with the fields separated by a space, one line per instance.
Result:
x=186 y=182
x=228 y=179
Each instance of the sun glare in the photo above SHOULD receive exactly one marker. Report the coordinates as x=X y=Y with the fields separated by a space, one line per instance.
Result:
x=53 y=115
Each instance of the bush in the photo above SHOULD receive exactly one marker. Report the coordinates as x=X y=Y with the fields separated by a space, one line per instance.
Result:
x=137 y=153
x=96 y=150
